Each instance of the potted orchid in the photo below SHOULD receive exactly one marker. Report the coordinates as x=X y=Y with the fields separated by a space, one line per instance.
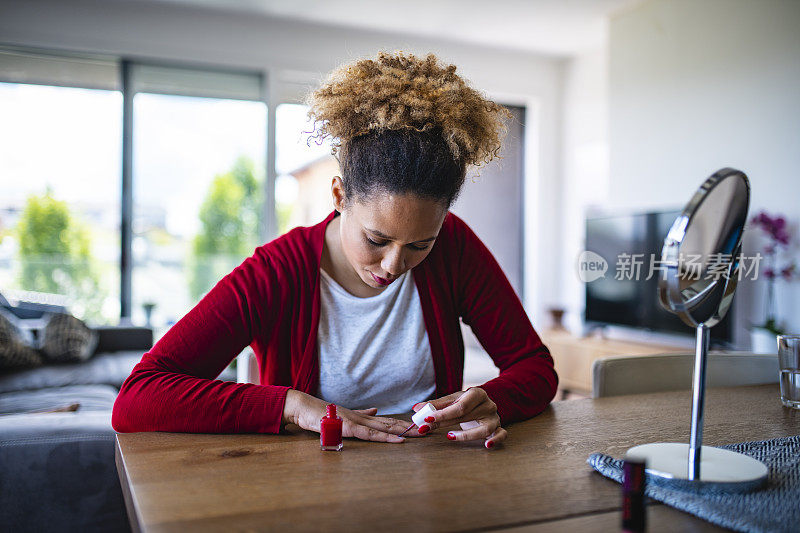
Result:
x=775 y=229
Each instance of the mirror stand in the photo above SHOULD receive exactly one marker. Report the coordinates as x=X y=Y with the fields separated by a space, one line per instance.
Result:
x=698 y=401
x=695 y=464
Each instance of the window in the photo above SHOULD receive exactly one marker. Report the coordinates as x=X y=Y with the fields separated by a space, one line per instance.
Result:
x=59 y=207
x=198 y=184
x=193 y=199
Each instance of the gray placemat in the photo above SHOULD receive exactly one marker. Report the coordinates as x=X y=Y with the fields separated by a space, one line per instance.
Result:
x=774 y=507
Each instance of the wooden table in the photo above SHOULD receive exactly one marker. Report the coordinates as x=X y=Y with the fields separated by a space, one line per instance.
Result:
x=538 y=481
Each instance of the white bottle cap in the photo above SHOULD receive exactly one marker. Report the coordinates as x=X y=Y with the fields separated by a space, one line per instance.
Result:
x=419 y=417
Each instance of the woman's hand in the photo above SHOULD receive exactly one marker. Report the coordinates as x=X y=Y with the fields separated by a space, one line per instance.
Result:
x=464 y=406
x=306 y=411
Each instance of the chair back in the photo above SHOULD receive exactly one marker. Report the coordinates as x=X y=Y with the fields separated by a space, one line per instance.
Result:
x=619 y=375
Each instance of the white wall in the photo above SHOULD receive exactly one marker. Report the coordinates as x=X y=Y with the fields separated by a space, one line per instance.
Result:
x=585 y=170
x=300 y=52
x=699 y=85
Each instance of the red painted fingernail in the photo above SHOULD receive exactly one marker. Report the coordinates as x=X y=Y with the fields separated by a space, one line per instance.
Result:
x=489 y=443
x=451 y=436
x=428 y=419
x=424 y=429
x=414 y=406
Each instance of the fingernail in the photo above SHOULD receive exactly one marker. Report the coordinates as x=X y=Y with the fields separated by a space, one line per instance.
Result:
x=489 y=443
x=451 y=436
x=428 y=419
x=400 y=439
x=424 y=429
x=414 y=406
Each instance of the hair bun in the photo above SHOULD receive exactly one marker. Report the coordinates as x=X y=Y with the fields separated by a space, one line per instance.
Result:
x=402 y=91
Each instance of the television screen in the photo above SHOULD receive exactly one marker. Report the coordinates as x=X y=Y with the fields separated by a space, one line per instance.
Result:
x=628 y=293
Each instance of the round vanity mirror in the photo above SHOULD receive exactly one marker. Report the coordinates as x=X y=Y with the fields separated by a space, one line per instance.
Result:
x=700 y=269
x=701 y=249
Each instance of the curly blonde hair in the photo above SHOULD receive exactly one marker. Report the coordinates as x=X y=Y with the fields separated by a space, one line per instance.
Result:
x=404 y=92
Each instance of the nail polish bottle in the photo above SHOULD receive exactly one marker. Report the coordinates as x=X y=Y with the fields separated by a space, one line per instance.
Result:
x=330 y=430
x=634 y=512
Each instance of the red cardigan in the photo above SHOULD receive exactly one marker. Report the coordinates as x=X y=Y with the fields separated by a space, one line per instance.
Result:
x=271 y=303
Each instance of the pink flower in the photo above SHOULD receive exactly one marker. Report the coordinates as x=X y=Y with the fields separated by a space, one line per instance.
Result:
x=782 y=236
x=762 y=219
x=776 y=228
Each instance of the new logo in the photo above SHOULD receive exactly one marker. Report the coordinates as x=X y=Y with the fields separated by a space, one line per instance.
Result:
x=591 y=266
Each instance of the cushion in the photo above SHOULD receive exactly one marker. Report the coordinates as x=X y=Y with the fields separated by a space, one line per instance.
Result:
x=16 y=349
x=66 y=339
x=102 y=369
x=81 y=398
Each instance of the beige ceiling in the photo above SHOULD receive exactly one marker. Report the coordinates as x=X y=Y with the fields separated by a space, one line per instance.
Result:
x=556 y=27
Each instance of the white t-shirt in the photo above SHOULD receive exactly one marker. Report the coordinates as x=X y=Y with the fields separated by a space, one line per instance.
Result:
x=374 y=352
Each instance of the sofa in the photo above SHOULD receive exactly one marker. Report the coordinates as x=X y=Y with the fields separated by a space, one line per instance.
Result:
x=57 y=446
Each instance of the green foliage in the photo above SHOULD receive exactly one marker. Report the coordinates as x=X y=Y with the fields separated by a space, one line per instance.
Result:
x=55 y=254
x=4 y=232
x=230 y=217
x=772 y=326
x=283 y=213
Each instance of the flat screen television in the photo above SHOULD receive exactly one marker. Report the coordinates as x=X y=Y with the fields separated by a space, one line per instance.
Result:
x=619 y=298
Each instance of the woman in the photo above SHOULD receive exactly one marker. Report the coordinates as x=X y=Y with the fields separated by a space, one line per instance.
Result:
x=362 y=309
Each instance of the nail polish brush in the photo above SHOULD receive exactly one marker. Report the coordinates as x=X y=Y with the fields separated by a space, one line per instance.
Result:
x=418 y=419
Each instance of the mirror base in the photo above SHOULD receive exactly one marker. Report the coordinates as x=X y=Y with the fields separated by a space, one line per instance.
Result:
x=719 y=469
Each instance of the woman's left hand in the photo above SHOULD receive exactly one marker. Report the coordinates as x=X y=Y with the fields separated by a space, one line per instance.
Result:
x=464 y=406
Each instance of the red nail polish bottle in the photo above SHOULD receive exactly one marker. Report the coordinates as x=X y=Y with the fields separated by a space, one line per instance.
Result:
x=330 y=430
x=634 y=511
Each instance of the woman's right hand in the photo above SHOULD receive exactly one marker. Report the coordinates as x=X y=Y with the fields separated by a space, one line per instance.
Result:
x=306 y=411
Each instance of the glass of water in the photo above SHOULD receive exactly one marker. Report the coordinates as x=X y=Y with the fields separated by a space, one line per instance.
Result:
x=789 y=362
